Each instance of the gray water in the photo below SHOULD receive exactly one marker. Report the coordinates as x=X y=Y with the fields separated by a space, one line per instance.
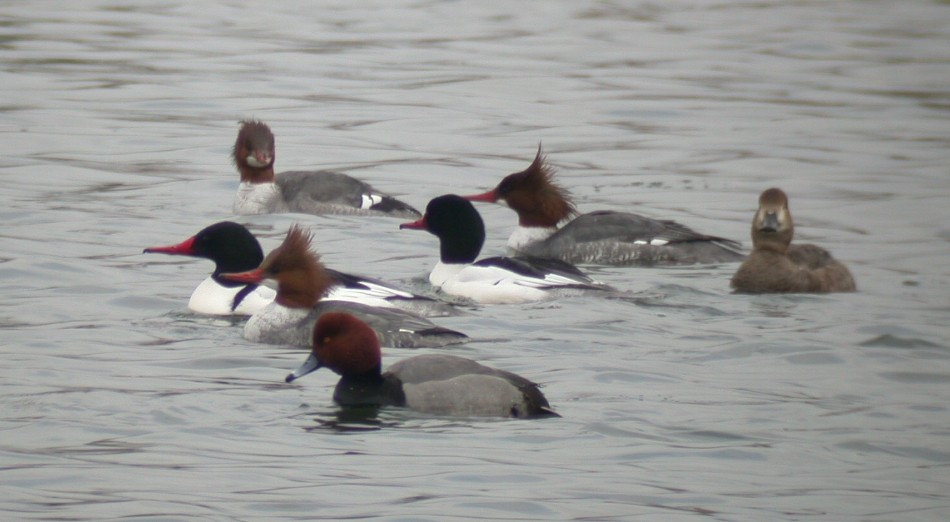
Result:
x=679 y=401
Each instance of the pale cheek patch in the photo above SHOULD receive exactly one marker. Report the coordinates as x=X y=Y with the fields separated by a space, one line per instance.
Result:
x=252 y=161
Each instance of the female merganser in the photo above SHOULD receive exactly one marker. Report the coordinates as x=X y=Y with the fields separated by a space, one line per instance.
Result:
x=775 y=265
x=302 y=281
x=520 y=279
x=233 y=248
x=602 y=237
x=307 y=192
x=432 y=384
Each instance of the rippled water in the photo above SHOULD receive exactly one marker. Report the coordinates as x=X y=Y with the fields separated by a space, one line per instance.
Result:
x=679 y=400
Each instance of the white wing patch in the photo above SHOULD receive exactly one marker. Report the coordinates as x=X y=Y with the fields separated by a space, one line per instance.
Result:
x=369 y=200
x=372 y=291
x=653 y=242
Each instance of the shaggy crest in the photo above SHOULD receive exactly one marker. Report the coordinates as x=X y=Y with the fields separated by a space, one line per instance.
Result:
x=301 y=278
x=534 y=191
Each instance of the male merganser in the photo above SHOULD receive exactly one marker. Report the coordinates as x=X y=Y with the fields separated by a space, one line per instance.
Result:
x=601 y=237
x=307 y=192
x=775 y=265
x=520 y=279
x=302 y=281
x=232 y=248
x=432 y=384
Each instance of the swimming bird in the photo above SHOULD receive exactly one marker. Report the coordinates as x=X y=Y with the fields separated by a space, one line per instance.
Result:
x=233 y=248
x=602 y=237
x=775 y=265
x=307 y=192
x=302 y=281
x=434 y=384
x=518 y=279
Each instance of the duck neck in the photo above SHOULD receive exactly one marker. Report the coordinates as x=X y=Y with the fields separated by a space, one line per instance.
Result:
x=443 y=271
x=460 y=249
x=527 y=235
x=369 y=389
x=774 y=244
x=256 y=175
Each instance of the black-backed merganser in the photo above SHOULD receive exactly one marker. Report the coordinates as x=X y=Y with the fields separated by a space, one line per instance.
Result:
x=518 y=279
x=233 y=248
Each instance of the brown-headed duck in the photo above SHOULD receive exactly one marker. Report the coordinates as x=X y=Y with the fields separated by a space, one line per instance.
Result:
x=432 y=384
x=602 y=237
x=303 y=286
x=775 y=265
x=306 y=192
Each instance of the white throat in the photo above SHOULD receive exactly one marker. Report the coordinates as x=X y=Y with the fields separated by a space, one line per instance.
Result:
x=444 y=271
x=215 y=299
x=258 y=198
x=524 y=236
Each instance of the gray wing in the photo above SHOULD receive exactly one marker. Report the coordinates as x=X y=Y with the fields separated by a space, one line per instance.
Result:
x=326 y=192
x=395 y=327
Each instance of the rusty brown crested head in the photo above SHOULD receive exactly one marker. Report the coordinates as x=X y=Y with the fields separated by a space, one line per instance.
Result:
x=301 y=277
x=534 y=194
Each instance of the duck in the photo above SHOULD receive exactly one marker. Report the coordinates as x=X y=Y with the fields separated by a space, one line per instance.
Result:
x=306 y=192
x=777 y=266
x=492 y=280
x=435 y=384
x=233 y=248
x=603 y=237
x=302 y=281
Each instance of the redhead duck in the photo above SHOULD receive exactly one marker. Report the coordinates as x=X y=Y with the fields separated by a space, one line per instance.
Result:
x=432 y=384
x=775 y=265
x=520 y=279
x=233 y=248
x=302 y=284
x=307 y=192
x=602 y=237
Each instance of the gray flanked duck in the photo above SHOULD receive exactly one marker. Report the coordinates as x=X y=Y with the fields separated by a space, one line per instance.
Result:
x=605 y=237
x=306 y=192
x=303 y=284
x=432 y=384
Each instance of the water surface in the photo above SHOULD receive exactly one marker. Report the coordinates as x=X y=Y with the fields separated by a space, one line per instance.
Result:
x=679 y=400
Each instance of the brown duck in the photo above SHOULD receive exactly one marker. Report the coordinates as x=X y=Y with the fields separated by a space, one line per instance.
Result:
x=775 y=265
